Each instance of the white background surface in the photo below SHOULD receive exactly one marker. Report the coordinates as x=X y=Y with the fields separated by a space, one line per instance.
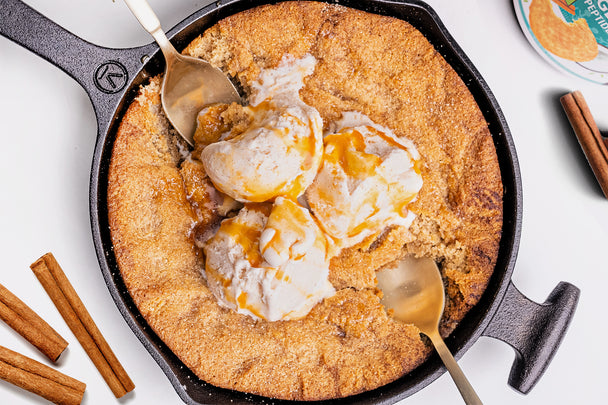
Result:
x=48 y=132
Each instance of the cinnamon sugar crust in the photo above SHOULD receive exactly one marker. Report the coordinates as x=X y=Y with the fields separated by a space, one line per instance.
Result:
x=158 y=203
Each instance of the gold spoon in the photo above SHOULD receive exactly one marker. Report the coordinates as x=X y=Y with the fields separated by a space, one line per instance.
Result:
x=189 y=83
x=413 y=289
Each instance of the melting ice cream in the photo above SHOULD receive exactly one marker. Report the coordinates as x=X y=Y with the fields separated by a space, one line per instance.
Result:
x=280 y=152
x=366 y=182
x=271 y=261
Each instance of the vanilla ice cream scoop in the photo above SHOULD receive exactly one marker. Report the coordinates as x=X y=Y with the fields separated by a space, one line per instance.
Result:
x=269 y=262
x=280 y=152
x=367 y=179
x=289 y=233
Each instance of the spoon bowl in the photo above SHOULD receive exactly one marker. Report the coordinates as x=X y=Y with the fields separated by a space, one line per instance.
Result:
x=189 y=84
x=413 y=293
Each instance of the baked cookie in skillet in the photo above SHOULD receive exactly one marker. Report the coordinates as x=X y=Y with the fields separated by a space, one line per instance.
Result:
x=160 y=201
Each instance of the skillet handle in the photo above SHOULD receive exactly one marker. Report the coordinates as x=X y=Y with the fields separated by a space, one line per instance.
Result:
x=103 y=72
x=534 y=330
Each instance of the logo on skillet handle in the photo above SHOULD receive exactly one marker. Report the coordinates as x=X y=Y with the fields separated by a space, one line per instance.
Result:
x=111 y=77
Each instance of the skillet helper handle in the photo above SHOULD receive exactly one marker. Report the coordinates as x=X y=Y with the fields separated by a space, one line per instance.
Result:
x=534 y=330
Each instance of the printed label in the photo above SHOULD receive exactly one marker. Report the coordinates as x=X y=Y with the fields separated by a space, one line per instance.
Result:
x=570 y=34
x=595 y=12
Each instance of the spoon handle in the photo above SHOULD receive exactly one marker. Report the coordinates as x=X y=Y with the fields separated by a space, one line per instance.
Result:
x=466 y=390
x=144 y=14
x=148 y=19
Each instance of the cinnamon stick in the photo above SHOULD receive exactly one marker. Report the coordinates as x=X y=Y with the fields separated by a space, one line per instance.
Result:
x=28 y=324
x=39 y=379
x=589 y=137
x=73 y=311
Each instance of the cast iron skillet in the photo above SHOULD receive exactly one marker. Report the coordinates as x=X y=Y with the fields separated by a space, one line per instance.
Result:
x=111 y=77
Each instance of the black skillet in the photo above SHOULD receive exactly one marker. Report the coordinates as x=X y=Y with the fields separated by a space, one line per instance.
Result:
x=111 y=78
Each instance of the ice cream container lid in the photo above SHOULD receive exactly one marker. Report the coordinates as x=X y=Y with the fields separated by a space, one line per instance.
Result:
x=572 y=35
